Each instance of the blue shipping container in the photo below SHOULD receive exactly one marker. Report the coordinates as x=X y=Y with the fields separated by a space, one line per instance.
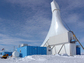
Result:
x=32 y=50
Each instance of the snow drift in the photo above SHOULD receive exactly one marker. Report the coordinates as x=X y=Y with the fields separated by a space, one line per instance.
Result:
x=45 y=59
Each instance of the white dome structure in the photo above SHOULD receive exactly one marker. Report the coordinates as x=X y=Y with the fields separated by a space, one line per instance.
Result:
x=58 y=37
x=15 y=54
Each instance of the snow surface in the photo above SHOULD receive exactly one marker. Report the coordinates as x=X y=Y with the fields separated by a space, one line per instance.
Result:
x=45 y=59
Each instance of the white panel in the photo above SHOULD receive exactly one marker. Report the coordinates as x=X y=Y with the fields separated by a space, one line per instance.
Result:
x=49 y=51
x=70 y=36
x=58 y=39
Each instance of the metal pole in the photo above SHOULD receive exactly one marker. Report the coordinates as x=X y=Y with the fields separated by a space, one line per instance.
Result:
x=60 y=49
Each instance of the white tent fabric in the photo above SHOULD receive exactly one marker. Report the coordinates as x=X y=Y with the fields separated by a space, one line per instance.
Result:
x=56 y=27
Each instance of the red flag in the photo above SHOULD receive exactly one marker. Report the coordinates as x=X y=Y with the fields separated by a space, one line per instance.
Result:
x=2 y=49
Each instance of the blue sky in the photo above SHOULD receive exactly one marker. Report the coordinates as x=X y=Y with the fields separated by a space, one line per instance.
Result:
x=28 y=21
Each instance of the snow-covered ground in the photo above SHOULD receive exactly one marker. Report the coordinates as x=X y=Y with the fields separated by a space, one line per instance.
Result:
x=45 y=59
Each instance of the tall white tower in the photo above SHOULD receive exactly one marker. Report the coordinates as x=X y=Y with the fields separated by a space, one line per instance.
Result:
x=58 y=37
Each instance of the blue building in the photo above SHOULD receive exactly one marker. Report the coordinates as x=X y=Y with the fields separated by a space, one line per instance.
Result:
x=78 y=51
x=0 y=52
x=9 y=53
x=32 y=50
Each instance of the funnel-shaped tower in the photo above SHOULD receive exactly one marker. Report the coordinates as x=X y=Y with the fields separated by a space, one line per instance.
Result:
x=58 y=36
x=56 y=27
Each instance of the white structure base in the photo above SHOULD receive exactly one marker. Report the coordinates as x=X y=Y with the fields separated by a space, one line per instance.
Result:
x=69 y=48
